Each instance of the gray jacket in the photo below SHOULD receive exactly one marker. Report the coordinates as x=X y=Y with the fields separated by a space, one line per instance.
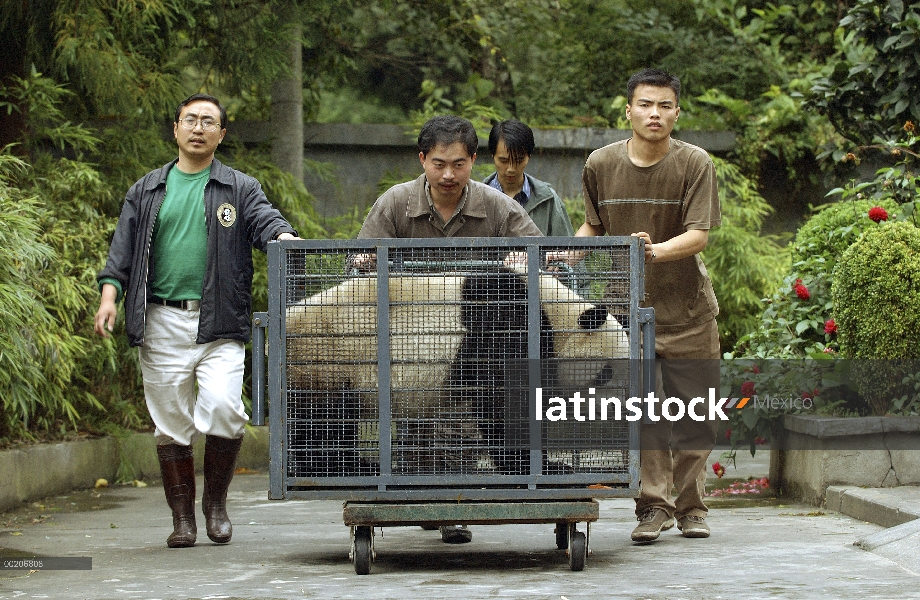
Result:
x=545 y=208
x=238 y=217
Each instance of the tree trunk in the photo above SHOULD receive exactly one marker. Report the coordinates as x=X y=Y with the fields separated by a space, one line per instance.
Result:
x=287 y=110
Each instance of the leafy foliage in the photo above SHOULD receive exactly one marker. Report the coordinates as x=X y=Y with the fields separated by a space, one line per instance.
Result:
x=59 y=376
x=898 y=183
x=792 y=326
x=795 y=349
x=823 y=239
x=791 y=349
x=743 y=264
x=25 y=327
x=872 y=88
x=777 y=387
x=876 y=293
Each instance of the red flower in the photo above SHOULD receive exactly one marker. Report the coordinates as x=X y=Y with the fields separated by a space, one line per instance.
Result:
x=728 y=434
x=718 y=469
x=830 y=327
x=759 y=440
x=829 y=351
x=878 y=214
x=747 y=389
x=802 y=292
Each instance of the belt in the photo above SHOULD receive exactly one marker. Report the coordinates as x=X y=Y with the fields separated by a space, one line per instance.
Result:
x=183 y=304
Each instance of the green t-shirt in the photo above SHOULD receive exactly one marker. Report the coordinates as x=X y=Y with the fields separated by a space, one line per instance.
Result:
x=180 y=238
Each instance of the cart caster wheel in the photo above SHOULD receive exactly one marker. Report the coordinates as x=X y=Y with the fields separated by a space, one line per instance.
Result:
x=578 y=549
x=363 y=550
x=562 y=536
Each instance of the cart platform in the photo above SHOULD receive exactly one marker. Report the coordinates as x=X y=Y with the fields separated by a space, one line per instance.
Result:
x=362 y=517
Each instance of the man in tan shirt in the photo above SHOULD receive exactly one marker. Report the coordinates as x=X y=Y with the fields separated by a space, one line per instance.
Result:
x=443 y=203
x=664 y=191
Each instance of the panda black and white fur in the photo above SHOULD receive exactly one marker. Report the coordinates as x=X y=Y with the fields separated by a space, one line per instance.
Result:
x=463 y=337
x=585 y=336
x=332 y=365
x=580 y=340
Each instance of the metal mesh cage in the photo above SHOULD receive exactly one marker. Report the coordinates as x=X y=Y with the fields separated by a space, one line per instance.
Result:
x=411 y=366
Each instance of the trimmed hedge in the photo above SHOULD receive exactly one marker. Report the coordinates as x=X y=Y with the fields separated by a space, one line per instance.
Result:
x=876 y=295
x=829 y=232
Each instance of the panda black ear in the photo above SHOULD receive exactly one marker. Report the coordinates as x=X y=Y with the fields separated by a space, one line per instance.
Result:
x=593 y=318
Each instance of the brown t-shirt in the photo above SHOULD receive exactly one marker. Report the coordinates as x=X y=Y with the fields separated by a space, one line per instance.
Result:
x=676 y=194
x=403 y=211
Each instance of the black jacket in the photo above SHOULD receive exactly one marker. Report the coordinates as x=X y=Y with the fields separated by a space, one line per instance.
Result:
x=238 y=217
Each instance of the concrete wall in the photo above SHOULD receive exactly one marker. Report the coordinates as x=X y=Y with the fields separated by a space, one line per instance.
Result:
x=363 y=154
x=48 y=469
x=38 y=471
x=818 y=452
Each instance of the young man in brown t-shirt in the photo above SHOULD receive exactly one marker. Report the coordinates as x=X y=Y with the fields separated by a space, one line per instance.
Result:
x=664 y=191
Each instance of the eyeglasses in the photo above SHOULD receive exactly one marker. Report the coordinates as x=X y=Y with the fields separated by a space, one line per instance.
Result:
x=207 y=123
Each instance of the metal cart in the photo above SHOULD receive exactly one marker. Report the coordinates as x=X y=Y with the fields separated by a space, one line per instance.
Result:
x=422 y=380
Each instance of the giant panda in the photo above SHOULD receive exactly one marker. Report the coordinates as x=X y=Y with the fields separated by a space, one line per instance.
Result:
x=458 y=365
x=579 y=343
x=332 y=366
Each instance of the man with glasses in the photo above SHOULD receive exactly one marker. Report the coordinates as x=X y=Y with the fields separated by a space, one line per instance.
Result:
x=181 y=259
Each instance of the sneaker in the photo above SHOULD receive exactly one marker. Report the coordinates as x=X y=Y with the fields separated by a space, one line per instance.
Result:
x=651 y=523
x=692 y=526
x=456 y=534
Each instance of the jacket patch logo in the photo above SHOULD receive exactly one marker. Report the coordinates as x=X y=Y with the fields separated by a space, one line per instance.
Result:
x=226 y=214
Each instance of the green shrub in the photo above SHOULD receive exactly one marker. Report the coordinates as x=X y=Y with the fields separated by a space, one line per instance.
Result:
x=876 y=295
x=791 y=326
x=25 y=321
x=832 y=230
x=793 y=331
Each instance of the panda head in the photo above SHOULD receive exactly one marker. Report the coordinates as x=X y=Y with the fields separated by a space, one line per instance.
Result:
x=586 y=337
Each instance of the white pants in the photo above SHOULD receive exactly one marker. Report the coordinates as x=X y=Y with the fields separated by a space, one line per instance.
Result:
x=172 y=364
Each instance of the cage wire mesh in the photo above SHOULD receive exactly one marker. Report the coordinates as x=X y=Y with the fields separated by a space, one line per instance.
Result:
x=459 y=356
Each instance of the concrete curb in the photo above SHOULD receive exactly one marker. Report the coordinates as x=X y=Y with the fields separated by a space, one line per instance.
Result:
x=42 y=470
x=898 y=544
x=888 y=507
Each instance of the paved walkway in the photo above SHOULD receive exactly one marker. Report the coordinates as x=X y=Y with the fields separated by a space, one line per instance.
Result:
x=760 y=548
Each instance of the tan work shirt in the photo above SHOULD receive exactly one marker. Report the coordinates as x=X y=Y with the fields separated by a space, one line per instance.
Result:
x=405 y=211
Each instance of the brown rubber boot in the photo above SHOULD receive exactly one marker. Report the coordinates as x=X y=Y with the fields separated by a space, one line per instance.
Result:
x=177 y=465
x=219 y=462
